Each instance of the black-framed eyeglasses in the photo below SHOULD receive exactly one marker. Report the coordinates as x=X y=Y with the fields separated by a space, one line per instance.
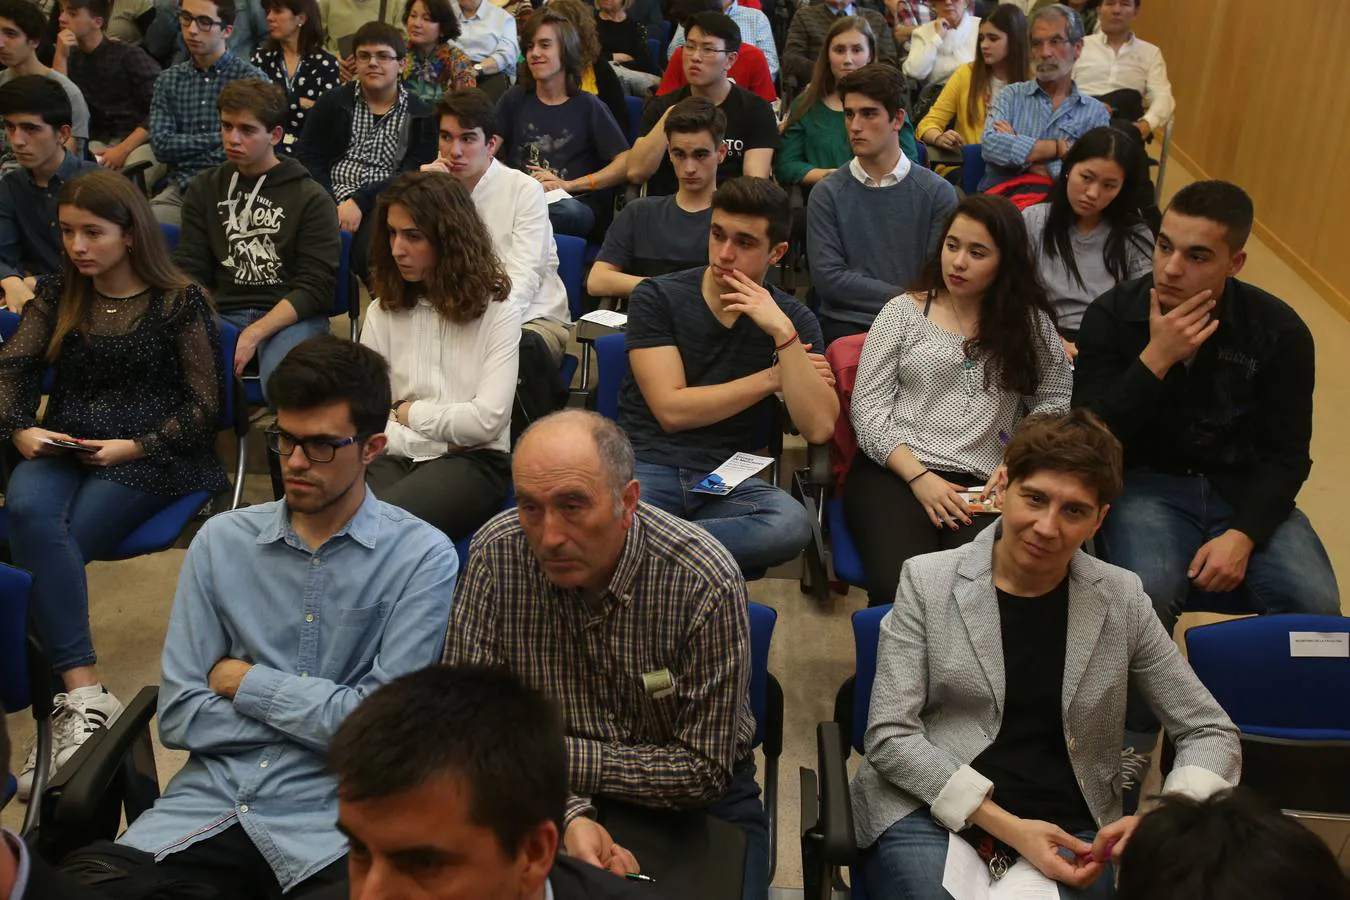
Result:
x=319 y=450
x=203 y=23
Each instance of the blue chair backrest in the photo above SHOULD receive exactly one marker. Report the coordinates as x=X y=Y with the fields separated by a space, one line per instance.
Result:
x=866 y=633
x=170 y=235
x=634 y=116
x=1248 y=666
x=612 y=357
x=762 y=620
x=229 y=337
x=571 y=258
x=9 y=323
x=16 y=692
x=656 y=52
x=342 y=299
x=972 y=167
x=923 y=153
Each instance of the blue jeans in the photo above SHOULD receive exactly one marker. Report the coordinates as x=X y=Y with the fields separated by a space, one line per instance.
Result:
x=571 y=216
x=60 y=516
x=906 y=863
x=273 y=350
x=760 y=524
x=1160 y=521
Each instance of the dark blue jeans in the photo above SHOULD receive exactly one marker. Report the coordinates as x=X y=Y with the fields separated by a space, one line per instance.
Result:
x=571 y=216
x=1160 y=521
x=907 y=861
x=760 y=524
x=60 y=516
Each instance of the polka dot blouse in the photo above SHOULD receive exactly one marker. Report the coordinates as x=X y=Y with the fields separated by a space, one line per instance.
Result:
x=316 y=74
x=144 y=368
x=916 y=387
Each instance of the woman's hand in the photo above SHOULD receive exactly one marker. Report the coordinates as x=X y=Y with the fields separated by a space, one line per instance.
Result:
x=949 y=140
x=1040 y=843
x=998 y=482
x=1070 y=349
x=32 y=442
x=1111 y=840
x=111 y=453
x=942 y=500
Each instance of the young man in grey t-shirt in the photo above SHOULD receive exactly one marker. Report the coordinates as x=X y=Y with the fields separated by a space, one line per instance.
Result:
x=660 y=235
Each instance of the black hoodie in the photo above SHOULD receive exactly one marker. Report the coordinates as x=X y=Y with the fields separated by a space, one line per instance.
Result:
x=254 y=241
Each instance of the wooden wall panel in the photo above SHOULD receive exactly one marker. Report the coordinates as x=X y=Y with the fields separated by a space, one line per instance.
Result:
x=1262 y=101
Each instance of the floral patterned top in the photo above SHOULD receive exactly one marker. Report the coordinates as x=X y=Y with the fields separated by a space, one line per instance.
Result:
x=430 y=77
x=316 y=74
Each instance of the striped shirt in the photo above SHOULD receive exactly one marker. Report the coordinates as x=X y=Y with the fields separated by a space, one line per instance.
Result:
x=675 y=603
x=1028 y=109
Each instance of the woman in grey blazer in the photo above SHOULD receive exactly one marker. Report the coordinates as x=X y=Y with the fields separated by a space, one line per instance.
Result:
x=998 y=711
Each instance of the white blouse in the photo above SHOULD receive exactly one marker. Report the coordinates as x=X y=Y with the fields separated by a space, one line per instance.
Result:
x=461 y=378
x=916 y=387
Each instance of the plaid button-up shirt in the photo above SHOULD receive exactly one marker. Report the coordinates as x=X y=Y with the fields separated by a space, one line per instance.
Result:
x=376 y=147
x=184 y=120
x=676 y=603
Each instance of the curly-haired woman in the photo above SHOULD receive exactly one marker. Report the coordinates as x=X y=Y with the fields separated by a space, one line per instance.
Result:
x=452 y=341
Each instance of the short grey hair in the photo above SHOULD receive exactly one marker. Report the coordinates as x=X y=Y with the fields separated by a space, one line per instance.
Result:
x=1060 y=12
x=611 y=445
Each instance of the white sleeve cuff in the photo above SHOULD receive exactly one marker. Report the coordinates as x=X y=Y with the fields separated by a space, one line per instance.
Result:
x=960 y=797
x=1195 y=782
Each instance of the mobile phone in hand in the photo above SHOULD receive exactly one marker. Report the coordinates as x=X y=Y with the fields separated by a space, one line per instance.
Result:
x=69 y=445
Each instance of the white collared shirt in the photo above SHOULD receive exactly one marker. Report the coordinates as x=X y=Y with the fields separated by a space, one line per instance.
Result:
x=894 y=176
x=513 y=207
x=1136 y=66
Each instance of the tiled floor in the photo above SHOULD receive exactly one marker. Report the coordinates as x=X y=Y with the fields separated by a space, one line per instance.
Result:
x=812 y=650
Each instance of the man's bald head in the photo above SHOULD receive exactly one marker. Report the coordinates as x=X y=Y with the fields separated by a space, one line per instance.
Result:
x=574 y=431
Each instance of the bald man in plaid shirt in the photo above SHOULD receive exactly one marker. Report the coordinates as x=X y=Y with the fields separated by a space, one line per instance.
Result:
x=634 y=621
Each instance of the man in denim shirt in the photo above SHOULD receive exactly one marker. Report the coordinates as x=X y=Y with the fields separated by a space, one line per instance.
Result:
x=287 y=615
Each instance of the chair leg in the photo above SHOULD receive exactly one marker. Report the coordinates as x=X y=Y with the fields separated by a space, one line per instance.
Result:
x=41 y=774
x=771 y=810
x=239 y=467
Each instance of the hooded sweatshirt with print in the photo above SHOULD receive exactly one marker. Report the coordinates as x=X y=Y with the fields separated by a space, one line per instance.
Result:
x=254 y=241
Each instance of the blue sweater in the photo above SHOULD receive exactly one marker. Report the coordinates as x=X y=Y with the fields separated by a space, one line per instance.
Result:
x=866 y=245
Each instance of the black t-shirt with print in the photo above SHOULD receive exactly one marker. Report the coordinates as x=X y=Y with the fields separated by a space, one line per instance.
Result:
x=750 y=126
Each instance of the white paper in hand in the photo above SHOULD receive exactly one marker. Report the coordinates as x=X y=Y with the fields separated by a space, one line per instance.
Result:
x=555 y=195
x=731 y=473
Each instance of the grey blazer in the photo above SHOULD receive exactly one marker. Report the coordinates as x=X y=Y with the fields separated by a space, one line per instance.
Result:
x=938 y=698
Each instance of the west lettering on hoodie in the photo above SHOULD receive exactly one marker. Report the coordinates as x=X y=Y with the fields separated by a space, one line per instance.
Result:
x=251 y=225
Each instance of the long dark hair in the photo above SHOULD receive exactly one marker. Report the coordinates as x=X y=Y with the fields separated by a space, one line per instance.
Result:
x=569 y=49
x=1010 y=20
x=111 y=196
x=1121 y=215
x=468 y=274
x=1009 y=332
x=310 y=39
x=823 y=83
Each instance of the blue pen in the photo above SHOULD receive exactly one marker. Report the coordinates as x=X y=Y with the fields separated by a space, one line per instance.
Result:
x=1003 y=438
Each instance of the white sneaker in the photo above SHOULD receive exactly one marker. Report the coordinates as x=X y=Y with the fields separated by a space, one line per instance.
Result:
x=77 y=714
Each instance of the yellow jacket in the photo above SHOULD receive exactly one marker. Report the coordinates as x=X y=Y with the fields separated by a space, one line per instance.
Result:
x=951 y=104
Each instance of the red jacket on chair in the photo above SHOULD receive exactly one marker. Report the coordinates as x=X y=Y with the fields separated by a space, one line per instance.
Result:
x=843 y=356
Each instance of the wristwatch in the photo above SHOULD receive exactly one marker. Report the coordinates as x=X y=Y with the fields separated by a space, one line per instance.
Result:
x=478 y=70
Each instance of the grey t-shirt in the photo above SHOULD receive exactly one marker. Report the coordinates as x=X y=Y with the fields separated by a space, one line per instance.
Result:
x=653 y=236
x=1069 y=297
x=79 y=118
x=670 y=311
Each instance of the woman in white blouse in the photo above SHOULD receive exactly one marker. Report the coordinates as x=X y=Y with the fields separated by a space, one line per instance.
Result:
x=452 y=340
x=947 y=372
x=940 y=47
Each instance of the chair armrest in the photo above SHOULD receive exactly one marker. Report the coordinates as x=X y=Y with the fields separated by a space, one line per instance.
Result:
x=818 y=460
x=114 y=769
x=836 y=809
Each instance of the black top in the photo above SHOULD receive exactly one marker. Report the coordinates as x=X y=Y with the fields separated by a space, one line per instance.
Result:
x=145 y=368
x=575 y=880
x=669 y=311
x=1028 y=761
x=628 y=36
x=751 y=125
x=316 y=75
x=1240 y=413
